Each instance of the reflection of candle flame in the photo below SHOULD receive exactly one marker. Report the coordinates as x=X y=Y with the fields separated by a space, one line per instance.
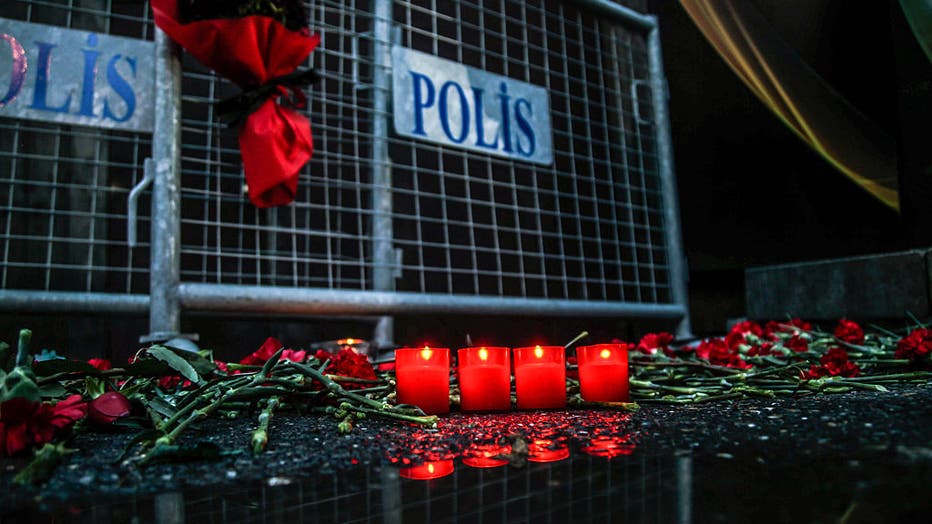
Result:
x=426 y=353
x=539 y=352
x=483 y=354
x=427 y=471
x=605 y=353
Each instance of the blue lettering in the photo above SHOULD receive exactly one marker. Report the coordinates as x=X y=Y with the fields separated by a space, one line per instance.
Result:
x=525 y=127
x=480 y=117
x=506 y=113
x=444 y=115
x=18 y=72
x=90 y=76
x=40 y=94
x=419 y=102
x=122 y=88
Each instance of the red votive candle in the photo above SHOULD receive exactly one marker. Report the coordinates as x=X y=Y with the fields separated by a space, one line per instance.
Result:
x=603 y=372
x=423 y=377
x=432 y=469
x=485 y=379
x=540 y=377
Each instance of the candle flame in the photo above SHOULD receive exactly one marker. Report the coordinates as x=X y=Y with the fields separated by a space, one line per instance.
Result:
x=430 y=467
x=606 y=353
x=347 y=341
x=483 y=354
x=539 y=352
x=426 y=353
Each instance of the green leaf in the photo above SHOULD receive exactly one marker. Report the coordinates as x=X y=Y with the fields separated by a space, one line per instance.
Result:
x=52 y=390
x=176 y=362
x=43 y=464
x=94 y=387
x=19 y=383
x=161 y=407
x=6 y=357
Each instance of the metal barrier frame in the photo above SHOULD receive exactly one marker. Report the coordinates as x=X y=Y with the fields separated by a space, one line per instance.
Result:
x=168 y=295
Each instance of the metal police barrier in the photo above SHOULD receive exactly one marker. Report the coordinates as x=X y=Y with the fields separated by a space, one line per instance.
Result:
x=470 y=157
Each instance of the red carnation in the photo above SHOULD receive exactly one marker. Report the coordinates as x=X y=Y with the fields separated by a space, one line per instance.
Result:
x=916 y=345
x=109 y=407
x=293 y=355
x=652 y=342
x=100 y=363
x=348 y=363
x=849 y=331
x=797 y=344
x=834 y=363
x=793 y=327
x=717 y=352
x=265 y=352
x=747 y=327
x=24 y=424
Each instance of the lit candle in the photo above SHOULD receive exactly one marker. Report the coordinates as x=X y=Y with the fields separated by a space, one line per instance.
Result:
x=432 y=469
x=540 y=377
x=603 y=372
x=485 y=379
x=423 y=378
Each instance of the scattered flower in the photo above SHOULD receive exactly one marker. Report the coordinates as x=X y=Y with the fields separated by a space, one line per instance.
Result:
x=834 y=363
x=652 y=342
x=849 y=331
x=797 y=343
x=916 y=345
x=108 y=408
x=100 y=363
x=25 y=424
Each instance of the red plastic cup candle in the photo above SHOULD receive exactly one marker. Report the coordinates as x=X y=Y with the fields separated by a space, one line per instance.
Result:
x=540 y=377
x=603 y=372
x=485 y=379
x=423 y=377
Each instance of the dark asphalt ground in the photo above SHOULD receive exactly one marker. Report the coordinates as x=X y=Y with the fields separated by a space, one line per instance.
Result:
x=854 y=453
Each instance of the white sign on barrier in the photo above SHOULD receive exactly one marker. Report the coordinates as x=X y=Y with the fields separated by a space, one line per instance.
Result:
x=56 y=74
x=449 y=103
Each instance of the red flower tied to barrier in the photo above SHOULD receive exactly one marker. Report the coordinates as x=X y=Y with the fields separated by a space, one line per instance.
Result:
x=834 y=363
x=108 y=408
x=260 y=55
x=915 y=346
x=849 y=331
x=25 y=424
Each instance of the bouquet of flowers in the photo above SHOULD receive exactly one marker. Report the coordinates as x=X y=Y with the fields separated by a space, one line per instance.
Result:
x=257 y=44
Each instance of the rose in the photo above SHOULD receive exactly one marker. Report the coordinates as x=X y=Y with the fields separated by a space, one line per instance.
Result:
x=916 y=345
x=849 y=331
x=108 y=408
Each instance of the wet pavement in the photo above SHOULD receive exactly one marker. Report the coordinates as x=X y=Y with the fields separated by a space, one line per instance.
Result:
x=861 y=457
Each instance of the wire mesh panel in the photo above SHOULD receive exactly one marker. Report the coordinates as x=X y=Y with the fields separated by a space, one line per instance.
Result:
x=64 y=188
x=588 y=227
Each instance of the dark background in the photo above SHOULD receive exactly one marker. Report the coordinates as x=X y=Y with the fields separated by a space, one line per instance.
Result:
x=751 y=192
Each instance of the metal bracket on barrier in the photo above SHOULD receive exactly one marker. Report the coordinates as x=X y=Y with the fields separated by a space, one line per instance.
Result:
x=132 y=202
x=635 y=100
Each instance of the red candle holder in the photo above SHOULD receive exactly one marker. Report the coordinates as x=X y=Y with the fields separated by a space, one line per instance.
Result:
x=540 y=377
x=485 y=379
x=603 y=372
x=423 y=378
x=432 y=469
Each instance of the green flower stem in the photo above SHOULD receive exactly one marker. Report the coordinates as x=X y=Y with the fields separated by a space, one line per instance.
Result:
x=689 y=400
x=353 y=380
x=893 y=377
x=674 y=389
x=336 y=388
x=428 y=420
x=22 y=350
x=686 y=363
x=260 y=437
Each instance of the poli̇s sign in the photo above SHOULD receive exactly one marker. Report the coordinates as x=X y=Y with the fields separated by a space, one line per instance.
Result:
x=55 y=74
x=446 y=102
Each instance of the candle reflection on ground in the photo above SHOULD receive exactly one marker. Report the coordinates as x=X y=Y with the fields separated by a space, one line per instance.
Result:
x=433 y=469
